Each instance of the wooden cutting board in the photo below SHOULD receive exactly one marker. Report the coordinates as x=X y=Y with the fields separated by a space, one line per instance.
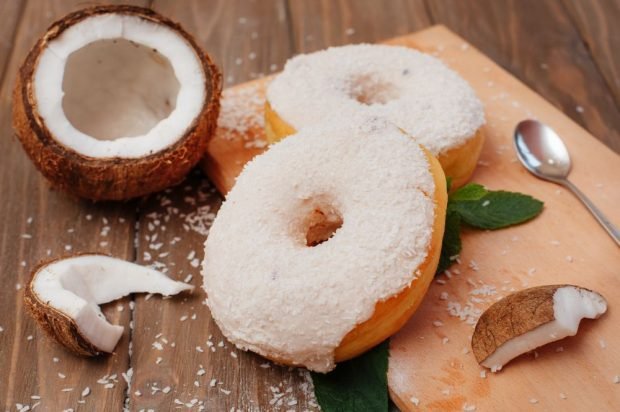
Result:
x=432 y=367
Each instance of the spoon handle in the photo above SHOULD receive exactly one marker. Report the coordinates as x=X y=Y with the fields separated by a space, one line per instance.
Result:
x=602 y=219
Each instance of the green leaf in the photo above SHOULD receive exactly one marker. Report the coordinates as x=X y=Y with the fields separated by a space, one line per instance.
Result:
x=472 y=191
x=448 y=183
x=451 y=243
x=497 y=210
x=358 y=385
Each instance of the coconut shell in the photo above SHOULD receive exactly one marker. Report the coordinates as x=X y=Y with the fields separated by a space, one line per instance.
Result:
x=56 y=324
x=111 y=178
x=512 y=316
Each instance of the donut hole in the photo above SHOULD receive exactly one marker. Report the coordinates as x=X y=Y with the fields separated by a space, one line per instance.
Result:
x=370 y=90
x=322 y=224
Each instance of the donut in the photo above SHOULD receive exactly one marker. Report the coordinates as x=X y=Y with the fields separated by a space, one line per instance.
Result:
x=413 y=90
x=326 y=244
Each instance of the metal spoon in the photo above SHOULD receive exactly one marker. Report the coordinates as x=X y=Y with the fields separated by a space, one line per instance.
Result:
x=543 y=153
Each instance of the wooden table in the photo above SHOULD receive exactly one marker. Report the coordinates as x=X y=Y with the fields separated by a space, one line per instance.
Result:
x=566 y=50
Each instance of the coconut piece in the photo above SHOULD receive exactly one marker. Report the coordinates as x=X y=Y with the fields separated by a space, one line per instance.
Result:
x=115 y=102
x=63 y=297
x=530 y=318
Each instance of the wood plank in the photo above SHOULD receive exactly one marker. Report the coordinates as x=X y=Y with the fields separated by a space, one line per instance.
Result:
x=320 y=24
x=536 y=41
x=195 y=361
x=549 y=250
x=39 y=223
x=440 y=373
x=247 y=39
x=596 y=22
x=11 y=12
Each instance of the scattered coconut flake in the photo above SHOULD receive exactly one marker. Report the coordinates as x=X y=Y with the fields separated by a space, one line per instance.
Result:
x=414 y=400
x=201 y=219
x=533 y=401
x=468 y=407
x=563 y=395
x=617 y=379
x=86 y=392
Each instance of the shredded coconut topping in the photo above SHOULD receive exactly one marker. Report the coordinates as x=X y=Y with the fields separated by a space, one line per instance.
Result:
x=241 y=108
x=272 y=293
x=413 y=90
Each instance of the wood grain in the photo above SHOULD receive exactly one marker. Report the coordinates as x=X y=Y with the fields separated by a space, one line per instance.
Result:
x=249 y=39
x=432 y=364
x=537 y=41
x=324 y=23
x=565 y=51
x=596 y=21
x=38 y=223
x=11 y=12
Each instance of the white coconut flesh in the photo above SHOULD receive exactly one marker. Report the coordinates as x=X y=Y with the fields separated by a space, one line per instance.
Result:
x=78 y=285
x=570 y=306
x=116 y=85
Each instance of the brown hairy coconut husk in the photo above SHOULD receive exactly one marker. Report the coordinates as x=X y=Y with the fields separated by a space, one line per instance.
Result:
x=111 y=150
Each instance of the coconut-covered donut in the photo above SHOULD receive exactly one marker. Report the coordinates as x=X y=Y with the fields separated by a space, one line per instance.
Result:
x=413 y=90
x=326 y=244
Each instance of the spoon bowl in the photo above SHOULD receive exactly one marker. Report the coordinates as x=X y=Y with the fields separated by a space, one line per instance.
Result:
x=542 y=151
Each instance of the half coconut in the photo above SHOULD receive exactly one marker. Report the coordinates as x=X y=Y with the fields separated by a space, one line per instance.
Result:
x=64 y=295
x=115 y=102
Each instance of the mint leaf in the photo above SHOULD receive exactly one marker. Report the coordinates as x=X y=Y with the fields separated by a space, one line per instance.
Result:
x=451 y=243
x=497 y=209
x=359 y=384
x=472 y=191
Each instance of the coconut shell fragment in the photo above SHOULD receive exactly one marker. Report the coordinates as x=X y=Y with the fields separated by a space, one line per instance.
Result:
x=63 y=297
x=530 y=318
x=114 y=171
